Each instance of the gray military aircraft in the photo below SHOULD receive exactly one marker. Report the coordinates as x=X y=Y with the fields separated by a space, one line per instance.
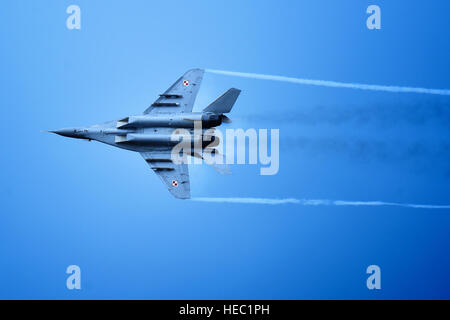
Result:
x=150 y=133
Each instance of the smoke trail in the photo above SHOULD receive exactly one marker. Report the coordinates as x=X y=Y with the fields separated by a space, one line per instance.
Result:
x=248 y=200
x=431 y=112
x=318 y=202
x=371 y=149
x=334 y=84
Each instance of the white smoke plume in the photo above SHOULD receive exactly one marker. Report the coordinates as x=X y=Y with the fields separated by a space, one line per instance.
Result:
x=334 y=84
x=317 y=202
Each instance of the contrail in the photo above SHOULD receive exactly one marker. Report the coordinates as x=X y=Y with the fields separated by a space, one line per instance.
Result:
x=334 y=84
x=318 y=202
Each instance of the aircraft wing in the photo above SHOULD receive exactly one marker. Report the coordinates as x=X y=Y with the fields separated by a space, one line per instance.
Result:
x=174 y=176
x=180 y=97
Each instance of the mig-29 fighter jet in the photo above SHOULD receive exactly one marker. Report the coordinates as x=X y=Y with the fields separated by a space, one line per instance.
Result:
x=150 y=133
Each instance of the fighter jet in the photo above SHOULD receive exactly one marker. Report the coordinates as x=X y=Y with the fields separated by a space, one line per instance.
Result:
x=150 y=133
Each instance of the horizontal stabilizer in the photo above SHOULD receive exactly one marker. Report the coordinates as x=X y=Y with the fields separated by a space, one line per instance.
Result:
x=221 y=167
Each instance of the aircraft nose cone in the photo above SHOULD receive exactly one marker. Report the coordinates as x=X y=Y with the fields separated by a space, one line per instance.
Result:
x=66 y=132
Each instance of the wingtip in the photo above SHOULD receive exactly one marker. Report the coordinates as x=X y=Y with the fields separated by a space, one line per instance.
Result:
x=195 y=70
x=184 y=198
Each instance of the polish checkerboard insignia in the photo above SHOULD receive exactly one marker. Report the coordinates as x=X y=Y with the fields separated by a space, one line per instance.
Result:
x=175 y=183
x=185 y=83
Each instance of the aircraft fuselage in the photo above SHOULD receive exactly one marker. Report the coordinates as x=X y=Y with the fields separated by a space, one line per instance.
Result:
x=143 y=132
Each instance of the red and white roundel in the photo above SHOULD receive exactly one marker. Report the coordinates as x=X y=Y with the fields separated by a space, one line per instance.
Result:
x=185 y=83
x=175 y=183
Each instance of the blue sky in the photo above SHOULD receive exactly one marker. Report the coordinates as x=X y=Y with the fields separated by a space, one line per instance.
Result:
x=72 y=202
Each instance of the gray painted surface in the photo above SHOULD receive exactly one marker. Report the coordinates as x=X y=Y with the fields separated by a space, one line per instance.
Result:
x=149 y=133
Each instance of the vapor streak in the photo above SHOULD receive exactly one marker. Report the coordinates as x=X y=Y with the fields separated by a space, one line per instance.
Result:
x=318 y=202
x=334 y=84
